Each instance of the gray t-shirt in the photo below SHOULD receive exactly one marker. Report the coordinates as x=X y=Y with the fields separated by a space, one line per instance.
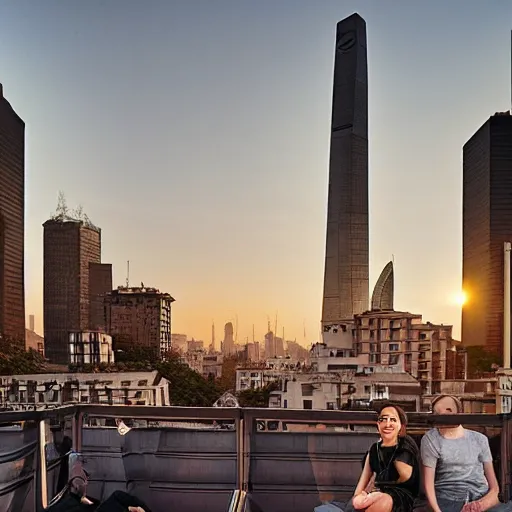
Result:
x=458 y=464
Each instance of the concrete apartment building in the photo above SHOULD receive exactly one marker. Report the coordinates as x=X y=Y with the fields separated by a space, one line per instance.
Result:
x=12 y=222
x=486 y=225
x=46 y=391
x=343 y=390
x=72 y=273
x=139 y=316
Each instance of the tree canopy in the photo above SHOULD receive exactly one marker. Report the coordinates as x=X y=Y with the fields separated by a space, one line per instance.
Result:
x=15 y=360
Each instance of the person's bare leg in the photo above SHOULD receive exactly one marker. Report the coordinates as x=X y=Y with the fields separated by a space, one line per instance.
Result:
x=369 y=500
x=383 y=504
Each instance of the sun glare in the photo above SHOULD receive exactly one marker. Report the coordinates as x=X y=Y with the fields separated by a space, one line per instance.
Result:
x=461 y=298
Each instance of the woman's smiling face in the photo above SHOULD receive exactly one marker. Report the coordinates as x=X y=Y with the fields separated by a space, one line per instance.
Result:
x=389 y=424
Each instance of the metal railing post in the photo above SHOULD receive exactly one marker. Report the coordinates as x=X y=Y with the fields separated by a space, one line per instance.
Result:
x=41 y=485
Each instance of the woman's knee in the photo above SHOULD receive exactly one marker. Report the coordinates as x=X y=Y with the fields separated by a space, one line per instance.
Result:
x=383 y=504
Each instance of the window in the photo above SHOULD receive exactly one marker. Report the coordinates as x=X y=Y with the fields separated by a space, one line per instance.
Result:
x=285 y=404
x=307 y=404
x=307 y=390
x=331 y=406
x=393 y=359
x=394 y=347
x=367 y=389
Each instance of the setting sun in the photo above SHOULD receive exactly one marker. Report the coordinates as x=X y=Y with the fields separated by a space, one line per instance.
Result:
x=461 y=298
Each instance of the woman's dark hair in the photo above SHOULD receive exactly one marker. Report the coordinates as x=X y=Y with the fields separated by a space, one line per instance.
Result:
x=401 y=415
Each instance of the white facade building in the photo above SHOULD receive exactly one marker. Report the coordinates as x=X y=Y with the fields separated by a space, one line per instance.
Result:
x=90 y=347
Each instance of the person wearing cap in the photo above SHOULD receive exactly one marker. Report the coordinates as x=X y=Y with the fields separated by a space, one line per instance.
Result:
x=458 y=473
x=391 y=467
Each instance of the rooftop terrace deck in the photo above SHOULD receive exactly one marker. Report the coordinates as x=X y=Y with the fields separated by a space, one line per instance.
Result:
x=275 y=459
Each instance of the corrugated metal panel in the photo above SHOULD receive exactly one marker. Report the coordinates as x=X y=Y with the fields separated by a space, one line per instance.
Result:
x=296 y=471
x=175 y=469
x=18 y=463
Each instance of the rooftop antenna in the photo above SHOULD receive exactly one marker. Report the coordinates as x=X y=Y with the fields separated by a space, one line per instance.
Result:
x=393 y=259
x=128 y=274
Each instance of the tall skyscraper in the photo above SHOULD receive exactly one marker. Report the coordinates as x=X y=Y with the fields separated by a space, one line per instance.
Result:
x=12 y=222
x=346 y=256
x=487 y=224
x=70 y=246
x=228 y=344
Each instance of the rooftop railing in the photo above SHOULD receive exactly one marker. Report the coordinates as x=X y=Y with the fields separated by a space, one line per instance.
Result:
x=181 y=458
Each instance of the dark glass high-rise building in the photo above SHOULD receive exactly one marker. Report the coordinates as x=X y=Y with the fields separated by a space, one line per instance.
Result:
x=346 y=255
x=487 y=224
x=70 y=247
x=12 y=222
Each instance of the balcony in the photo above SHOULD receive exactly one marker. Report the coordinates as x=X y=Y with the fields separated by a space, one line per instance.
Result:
x=224 y=459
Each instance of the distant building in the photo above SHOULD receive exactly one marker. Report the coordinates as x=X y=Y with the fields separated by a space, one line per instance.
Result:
x=346 y=390
x=274 y=346
x=44 y=391
x=193 y=345
x=486 y=225
x=71 y=244
x=34 y=342
x=388 y=338
x=212 y=365
x=100 y=284
x=252 y=352
x=12 y=222
x=139 y=316
x=206 y=364
x=394 y=338
x=91 y=347
x=228 y=344
x=179 y=342
x=296 y=351
x=504 y=391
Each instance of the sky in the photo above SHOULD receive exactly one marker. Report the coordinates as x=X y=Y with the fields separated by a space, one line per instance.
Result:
x=196 y=135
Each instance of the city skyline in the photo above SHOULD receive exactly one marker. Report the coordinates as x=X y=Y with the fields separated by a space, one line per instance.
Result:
x=254 y=195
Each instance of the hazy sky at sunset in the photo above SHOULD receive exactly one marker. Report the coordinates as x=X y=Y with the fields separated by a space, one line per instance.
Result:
x=196 y=135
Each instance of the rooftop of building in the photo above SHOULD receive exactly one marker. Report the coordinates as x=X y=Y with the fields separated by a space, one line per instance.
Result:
x=4 y=100
x=141 y=290
x=380 y=313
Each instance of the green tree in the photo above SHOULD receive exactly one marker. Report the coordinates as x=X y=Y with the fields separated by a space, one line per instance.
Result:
x=481 y=361
x=187 y=387
x=15 y=360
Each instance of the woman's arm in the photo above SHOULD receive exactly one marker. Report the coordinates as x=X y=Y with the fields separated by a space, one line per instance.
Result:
x=365 y=477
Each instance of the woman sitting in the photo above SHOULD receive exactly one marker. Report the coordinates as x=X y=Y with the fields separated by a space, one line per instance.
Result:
x=391 y=469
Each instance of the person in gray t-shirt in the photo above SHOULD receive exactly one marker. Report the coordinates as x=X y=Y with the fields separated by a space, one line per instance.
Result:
x=457 y=463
